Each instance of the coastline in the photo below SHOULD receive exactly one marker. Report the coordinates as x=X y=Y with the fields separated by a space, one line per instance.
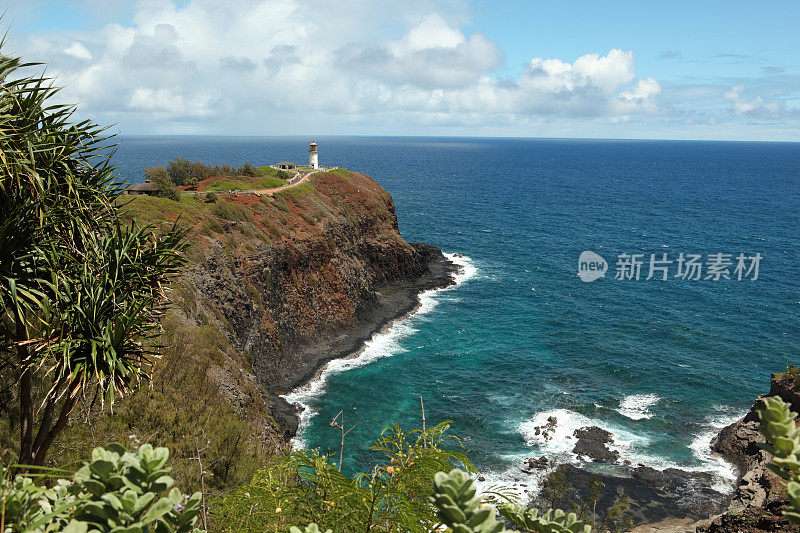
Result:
x=396 y=303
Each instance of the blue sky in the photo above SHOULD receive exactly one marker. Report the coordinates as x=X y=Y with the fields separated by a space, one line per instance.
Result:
x=559 y=68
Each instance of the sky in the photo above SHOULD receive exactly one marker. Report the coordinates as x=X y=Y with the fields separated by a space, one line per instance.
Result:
x=552 y=68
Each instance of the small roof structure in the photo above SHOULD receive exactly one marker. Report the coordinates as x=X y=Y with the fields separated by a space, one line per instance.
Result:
x=286 y=164
x=313 y=143
x=142 y=188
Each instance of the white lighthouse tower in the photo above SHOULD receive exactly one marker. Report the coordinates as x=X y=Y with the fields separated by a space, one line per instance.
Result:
x=313 y=160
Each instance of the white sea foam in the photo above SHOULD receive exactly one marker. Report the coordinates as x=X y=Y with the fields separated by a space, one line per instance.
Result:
x=636 y=406
x=561 y=440
x=511 y=481
x=724 y=472
x=385 y=343
x=631 y=446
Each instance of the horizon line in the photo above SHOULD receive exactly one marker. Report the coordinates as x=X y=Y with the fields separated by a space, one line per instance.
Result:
x=520 y=138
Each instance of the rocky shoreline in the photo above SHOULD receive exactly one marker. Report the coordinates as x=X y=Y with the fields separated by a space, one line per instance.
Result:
x=760 y=494
x=654 y=495
x=395 y=301
x=674 y=500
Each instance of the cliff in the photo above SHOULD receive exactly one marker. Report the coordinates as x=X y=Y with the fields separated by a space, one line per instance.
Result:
x=760 y=496
x=315 y=271
x=277 y=285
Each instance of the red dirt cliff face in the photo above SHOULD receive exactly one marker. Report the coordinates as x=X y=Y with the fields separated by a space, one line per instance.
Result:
x=295 y=279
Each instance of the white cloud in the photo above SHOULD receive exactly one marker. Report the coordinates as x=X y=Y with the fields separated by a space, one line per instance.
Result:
x=242 y=66
x=757 y=107
x=79 y=51
x=431 y=55
x=167 y=104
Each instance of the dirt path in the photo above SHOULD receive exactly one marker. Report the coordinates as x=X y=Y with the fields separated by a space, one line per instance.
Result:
x=291 y=184
x=259 y=192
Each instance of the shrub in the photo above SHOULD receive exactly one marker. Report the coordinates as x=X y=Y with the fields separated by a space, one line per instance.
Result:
x=247 y=170
x=115 y=491
x=791 y=373
x=462 y=510
x=211 y=197
x=180 y=171
x=160 y=179
x=308 y=488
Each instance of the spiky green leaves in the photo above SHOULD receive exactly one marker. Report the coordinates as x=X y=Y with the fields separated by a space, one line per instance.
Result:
x=80 y=294
x=783 y=442
x=459 y=506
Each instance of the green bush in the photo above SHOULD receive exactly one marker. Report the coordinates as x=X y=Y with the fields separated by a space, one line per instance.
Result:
x=211 y=197
x=306 y=487
x=180 y=171
x=117 y=491
x=247 y=170
x=159 y=177
x=792 y=373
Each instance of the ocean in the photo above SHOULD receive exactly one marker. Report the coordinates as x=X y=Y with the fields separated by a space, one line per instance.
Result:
x=662 y=364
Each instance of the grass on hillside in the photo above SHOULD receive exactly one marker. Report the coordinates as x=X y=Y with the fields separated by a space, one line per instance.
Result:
x=245 y=184
x=267 y=170
x=152 y=209
x=342 y=173
x=297 y=190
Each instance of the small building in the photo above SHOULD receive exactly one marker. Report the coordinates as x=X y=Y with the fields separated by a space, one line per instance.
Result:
x=313 y=160
x=286 y=165
x=142 y=188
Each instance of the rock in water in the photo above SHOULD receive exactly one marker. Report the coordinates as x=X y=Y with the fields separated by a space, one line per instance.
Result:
x=592 y=442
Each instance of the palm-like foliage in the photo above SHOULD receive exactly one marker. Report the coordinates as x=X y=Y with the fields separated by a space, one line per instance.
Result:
x=80 y=294
x=308 y=488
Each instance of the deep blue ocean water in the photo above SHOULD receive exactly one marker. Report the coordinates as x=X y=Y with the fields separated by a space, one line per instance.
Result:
x=661 y=364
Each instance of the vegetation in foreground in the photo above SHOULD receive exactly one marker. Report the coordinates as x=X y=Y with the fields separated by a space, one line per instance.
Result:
x=126 y=492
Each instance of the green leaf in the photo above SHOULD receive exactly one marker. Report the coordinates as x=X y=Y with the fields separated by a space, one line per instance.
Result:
x=159 y=509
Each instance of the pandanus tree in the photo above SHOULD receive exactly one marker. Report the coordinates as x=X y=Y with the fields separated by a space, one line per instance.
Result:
x=81 y=292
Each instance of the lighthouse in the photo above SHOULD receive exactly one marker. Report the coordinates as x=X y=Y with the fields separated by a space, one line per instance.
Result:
x=313 y=161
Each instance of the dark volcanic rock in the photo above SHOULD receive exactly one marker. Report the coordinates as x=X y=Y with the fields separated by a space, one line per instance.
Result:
x=738 y=443
x=766 y=519
x=539 y=463
x=758 y=487
x=286 y=415
x=787 y=389
x=655 y=495
x=592 y=443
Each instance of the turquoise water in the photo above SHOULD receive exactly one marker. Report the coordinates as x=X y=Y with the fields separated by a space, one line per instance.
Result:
x=661 y=364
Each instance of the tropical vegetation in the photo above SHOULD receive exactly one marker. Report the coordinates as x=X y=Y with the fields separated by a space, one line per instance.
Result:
x=81 y=292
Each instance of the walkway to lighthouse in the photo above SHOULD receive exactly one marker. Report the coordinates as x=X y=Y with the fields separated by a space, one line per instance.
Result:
x=292 y=183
